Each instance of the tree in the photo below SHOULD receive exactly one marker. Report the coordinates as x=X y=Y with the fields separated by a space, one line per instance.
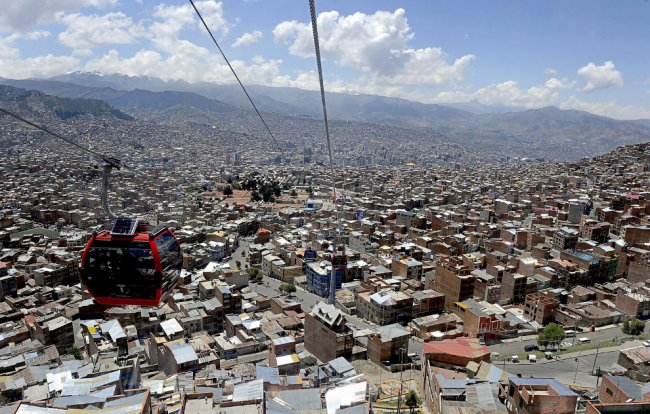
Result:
x=238 y=263
x=552 y=335
x=633 y=327
x=75 y=352
x=309 y=361
x=288 y=287
x=254 y=275
x=412 y=401
x=256 y=196
x=293 y=193
x=227 y=191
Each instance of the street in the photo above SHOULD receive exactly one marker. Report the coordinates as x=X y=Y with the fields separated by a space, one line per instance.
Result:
x=564 y=369
x=517 y=345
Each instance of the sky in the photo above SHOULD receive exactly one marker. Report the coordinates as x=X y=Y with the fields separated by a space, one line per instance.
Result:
x=588 y=55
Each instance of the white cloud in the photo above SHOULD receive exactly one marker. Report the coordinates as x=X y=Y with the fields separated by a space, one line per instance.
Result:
x=84 y=32
x=36 y=67
x=164 y=33
x=509 y=93
x=375 y=44
x=609 y=109
x=600 y=77
x=22 y=15
x=248 y=39
x=190 y=68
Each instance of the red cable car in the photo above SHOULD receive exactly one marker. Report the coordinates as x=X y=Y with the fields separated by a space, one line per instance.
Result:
x=133 y=264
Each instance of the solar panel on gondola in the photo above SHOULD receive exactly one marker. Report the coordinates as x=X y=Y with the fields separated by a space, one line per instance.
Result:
x=125 y=226
x=133 y=264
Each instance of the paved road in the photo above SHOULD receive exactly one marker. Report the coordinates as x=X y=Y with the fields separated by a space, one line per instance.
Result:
x=240 y=253
x=517 y=345
x=564 y=369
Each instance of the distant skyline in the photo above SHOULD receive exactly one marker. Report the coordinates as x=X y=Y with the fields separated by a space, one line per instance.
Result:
x=577 y=54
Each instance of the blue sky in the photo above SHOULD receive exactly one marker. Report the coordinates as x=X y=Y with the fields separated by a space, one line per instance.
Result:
x=587 y=55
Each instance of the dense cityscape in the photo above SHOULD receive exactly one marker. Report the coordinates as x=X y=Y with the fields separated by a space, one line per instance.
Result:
x=324 y=207
x=505 y=286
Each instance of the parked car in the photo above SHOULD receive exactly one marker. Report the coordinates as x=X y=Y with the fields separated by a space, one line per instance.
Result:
x=584 y=340
x=532 y=358
x=569 y=333
x=530 y=348
x=514 y=358
x=548 y=355
x=646 y=343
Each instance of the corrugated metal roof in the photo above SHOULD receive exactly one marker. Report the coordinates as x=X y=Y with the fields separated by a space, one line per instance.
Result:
x=284 y=340
x=113 y=329
x=287 y=359
x=268 y=374
x=171 y=327
x=183 y=353
x=33 y=409
x=307 y=399
x=249 y=391
x=64 y=402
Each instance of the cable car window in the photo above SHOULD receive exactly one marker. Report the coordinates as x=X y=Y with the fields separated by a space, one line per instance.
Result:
x=170 y=259
x=121 y=272
x=168 y=250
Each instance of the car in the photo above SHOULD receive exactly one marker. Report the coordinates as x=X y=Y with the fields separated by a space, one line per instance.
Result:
x=584 y=340
x=514 y=358
x=646 y=343
x=532 y=358
x=529 y=348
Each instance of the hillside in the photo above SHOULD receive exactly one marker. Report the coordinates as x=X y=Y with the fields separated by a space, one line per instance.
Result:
x=38 y=103
x=548 y=133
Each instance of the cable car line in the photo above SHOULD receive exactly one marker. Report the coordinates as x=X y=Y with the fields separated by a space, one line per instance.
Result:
x=339 y=260
x=114 y=162
x=238 y=80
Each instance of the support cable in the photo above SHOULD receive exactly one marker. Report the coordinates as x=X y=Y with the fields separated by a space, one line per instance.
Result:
x=338 y=206
x=214 y=40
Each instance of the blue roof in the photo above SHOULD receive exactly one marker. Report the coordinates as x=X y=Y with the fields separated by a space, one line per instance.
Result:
x=586 y=257
x=268 y=374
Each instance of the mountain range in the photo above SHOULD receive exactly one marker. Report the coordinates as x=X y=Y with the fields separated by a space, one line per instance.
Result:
x=548 y=132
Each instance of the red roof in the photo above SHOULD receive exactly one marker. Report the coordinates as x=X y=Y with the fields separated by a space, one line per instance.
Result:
x=463 y=347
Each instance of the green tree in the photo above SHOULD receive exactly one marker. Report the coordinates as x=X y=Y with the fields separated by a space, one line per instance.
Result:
x=633 y=327
x=75 y=352
x=552 y=335
x=293 y=193
x=288 y=287
x=254 y=274
x=227 y=191
x=412 y=401
x=256 y=196
x=309 y=361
